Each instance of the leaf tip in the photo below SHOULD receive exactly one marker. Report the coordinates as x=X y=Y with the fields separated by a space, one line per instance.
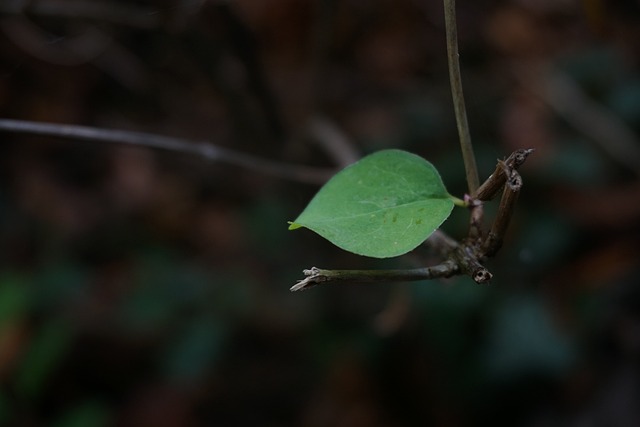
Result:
x=293 y=225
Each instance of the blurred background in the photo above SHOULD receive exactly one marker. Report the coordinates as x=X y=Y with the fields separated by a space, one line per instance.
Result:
x=151 y=288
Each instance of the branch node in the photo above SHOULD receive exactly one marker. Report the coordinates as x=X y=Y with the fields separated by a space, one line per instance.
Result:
x=481 y=276
x=519 y=156
x=491 y=187
x=314 y=276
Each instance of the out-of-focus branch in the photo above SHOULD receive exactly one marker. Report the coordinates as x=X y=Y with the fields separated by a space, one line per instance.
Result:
x=243 y=42
x=96 y=10
x=203 y=149
x=569 y=101
x=94 y=46
x=333 y=140
x=66 y=51
x=319 y=127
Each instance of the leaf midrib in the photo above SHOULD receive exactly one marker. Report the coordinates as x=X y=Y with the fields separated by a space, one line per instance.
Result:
x=404 y=205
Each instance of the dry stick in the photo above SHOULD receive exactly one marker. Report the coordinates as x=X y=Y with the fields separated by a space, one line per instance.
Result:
x=316 y=275
x=507 y=203
x=439 y=240
x=203 y=149
x=468 y=155
x=487 y=191
x=490 y=188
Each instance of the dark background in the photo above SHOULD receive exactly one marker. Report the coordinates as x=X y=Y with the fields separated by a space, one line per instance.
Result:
x=148 y=288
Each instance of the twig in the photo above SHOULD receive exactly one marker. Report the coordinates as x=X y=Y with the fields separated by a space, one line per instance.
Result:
x=490 y=188
x=317 y=275
x=467 y=258
x=507 y=204
x=203 y=149
x=464 y=258
x=460 y=258
x=473 y=181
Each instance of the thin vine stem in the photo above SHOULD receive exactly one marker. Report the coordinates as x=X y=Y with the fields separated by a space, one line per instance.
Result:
x=473 y=180
x=205 y=149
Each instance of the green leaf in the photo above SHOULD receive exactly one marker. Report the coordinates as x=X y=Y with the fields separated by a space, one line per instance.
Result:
x=382 y=206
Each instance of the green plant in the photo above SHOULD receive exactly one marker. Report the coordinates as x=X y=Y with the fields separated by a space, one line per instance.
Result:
x=383 y=206
x=392 y=201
